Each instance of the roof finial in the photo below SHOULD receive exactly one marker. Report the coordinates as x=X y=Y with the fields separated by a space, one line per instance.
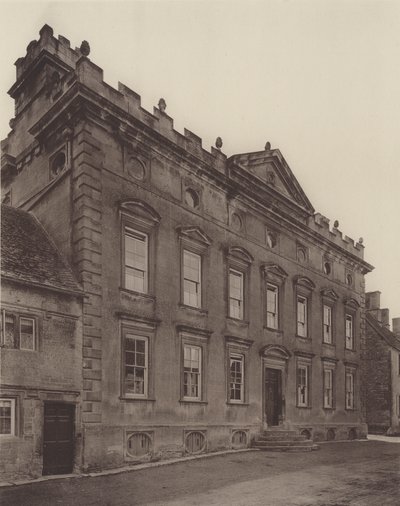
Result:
x=268 y=146
x=162 y=104
x=85 y=48
x=218 y=142
x=336 y=224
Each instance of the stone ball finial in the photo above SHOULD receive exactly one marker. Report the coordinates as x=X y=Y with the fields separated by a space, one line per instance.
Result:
x=361 y=240
x=85 y=48
x=268 y=146
x=336 y=224
x=162 y=105
x=218 y=142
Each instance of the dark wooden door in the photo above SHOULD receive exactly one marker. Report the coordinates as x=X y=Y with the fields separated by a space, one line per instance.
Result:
x=58 y=433
x=273 y=396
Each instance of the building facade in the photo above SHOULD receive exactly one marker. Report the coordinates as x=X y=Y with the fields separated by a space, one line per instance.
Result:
x=40 y=354
x=217 y=302
x=382 y=366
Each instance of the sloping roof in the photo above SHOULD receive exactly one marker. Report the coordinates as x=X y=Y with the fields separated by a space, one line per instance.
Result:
x=390 y=338
x=29 y=255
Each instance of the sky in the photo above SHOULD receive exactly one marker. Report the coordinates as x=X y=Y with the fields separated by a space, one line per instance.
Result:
x=319 y=79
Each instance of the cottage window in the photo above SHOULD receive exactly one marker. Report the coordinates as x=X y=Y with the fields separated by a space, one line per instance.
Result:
x=349 y=332
x=327 y=325
x=136 y=366
x=272 y=306
x=192 y=372
x=7 y=417
x=301 y=316
x=136 y=260
x=236 y=384
x=18 y=331
x=191 y=279
x=236 y=291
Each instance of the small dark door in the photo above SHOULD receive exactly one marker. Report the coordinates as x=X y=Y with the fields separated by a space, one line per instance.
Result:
x=58 y=435
x=273 y=396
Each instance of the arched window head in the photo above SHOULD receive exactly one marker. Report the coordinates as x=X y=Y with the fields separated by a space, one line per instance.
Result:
x=192 y=198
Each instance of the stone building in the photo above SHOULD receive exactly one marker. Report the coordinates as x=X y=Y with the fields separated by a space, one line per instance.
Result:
x=217 y=302
x=40 y=354
x=382 y=364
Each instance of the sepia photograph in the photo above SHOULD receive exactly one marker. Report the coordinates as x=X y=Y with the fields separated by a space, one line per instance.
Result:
x=200 y=241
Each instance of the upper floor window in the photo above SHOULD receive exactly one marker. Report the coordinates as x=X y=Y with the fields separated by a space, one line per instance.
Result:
x=7 y=417
x=302 y=304
x=18 y=331
x=272 y=306
x=139 y=221
x=327 y=324
x=191 y=279
x=136 y=260
x=236 y=294
x=349 y=332
x=192 y=198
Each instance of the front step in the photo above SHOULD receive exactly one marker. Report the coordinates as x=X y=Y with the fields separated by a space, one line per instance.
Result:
x=277 y=440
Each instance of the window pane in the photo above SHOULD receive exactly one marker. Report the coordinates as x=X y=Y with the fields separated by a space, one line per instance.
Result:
x=5 y=416
x=236 y=378
x=135 y=366
x=191 y=371
x=27 y=334
x=9 y=331
x=136 y=252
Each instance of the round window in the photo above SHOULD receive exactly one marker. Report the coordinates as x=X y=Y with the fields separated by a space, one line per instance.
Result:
x=192 y=198
x=301 y=255
x=195 y=442
x=135 y=168
x=306 y=433
x=138 y=444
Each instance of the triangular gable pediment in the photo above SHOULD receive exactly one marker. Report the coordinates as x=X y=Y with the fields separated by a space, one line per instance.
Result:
x=195 y=234
x=272 y=169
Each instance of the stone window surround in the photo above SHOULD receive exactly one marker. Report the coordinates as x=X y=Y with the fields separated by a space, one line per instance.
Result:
x=329 y=298
x=351 y=307
x=13 y=421
x=194 y=337
x=18 y=315
x=240 y=260
x=146 y=331
x=304 y=360
x=140 y=217
x=303 y=287
x=329 y=363
x=275 y=276
x=350 y=369
x=237 y=346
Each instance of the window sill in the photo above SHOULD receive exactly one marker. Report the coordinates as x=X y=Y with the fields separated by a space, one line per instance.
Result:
x=137 y=294
x=136 y=399
x=350 y=410
x=303 y=407
x=194 y=401
x=271 y=329
x=193 y=308
x=328 y=409
x=230 y=403
x=304 y=338
x=239 y=321
x=331 y=345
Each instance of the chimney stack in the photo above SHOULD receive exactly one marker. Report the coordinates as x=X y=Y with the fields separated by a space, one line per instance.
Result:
x=396 y=326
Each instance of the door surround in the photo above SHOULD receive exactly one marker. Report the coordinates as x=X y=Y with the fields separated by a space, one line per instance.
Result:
x=274 y=356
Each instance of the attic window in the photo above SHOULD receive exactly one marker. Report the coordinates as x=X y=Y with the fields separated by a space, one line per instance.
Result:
x=272 y=238
x=327 y=268
x=349 y=279
x=58 y=163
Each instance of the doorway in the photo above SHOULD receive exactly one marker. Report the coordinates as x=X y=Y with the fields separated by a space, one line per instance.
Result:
x=273 y=396
x=58 y=438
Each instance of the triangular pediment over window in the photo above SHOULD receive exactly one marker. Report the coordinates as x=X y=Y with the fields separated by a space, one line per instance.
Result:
x=274 y=270
x=270 y=170
x=194 y=234
x=328 y=293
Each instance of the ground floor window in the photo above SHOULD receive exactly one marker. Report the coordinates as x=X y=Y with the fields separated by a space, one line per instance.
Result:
x=349 y=390
x=328 y=388
x=192 y=372
x=302 y=385
x=135 y=365
x=7 y=417
x=236 y=384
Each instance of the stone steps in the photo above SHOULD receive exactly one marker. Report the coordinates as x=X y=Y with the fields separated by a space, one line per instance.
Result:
x=278 y=440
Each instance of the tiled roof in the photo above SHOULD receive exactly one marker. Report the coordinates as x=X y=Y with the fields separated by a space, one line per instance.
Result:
x=29 y=255
x=386 y=334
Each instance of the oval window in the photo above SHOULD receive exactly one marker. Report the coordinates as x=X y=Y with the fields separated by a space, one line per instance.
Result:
x=195 y=442
x=192 y=198
x=236 y=222
x=139 y=444
x=135 y=168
